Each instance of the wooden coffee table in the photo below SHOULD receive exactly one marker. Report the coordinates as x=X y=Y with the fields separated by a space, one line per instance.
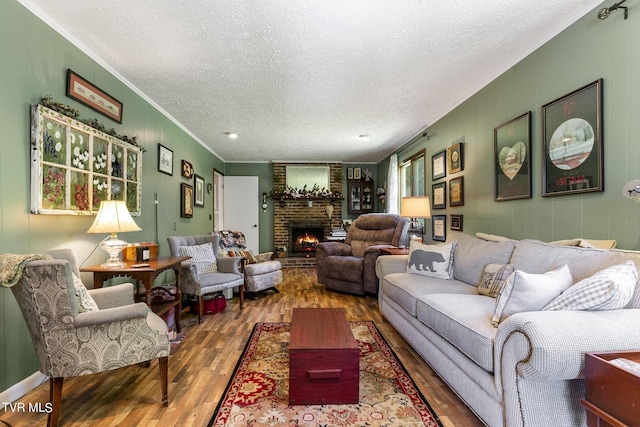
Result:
x=324 y=358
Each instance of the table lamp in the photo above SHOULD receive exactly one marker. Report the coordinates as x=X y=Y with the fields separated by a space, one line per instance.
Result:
x=113 y=217
x=414 y=208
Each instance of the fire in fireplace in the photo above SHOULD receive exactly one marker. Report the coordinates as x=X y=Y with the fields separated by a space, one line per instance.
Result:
x=305 y=239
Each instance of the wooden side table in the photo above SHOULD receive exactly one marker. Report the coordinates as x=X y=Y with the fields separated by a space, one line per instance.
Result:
x=394 y=251
x=146 y=276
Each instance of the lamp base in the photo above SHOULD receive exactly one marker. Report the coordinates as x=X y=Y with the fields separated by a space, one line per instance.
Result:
x=113 y=246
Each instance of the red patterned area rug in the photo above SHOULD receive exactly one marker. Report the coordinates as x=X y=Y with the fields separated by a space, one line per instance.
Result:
x=258 y=392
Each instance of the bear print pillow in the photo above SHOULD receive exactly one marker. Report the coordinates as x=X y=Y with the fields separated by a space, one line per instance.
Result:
x=431 y=260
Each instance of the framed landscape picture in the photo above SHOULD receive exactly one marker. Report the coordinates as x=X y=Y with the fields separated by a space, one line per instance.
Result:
x=573 y=146
x=512 y=157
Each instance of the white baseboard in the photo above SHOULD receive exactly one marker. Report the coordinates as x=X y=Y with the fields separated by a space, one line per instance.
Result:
x=23 y=387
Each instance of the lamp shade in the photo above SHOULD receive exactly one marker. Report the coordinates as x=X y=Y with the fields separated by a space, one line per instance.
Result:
x=415 y=207
x=113 y=217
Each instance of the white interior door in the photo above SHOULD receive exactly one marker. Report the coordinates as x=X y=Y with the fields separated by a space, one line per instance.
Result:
x=218 y=201
x=241 y=208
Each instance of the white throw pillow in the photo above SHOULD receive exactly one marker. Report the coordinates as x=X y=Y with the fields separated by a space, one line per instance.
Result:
x=86 y=302
x=493 y=279
x=431 y=260
x=202 y=257
x=608 y=289
x=530 y=292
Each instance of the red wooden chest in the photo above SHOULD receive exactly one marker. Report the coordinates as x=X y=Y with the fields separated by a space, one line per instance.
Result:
x=324 y=358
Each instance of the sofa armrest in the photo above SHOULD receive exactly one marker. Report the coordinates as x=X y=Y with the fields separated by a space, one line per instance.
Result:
x=113 y=296
x=391 y=264
x=111 y=315
x=550 y=345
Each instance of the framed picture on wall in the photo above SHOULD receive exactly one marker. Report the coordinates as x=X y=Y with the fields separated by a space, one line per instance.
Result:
x=165 y=160
x=439 y=195
x=456 y=159
x=439 y=165
x=456 y=192
x=456 y=222
x=573 y=146
x=198 y=183
x=187 y=169
x=439 y=228
x=186 y=200
x=512 y=156
x=93 y=97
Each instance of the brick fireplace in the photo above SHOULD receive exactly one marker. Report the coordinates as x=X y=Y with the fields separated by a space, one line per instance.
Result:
x=290 y=214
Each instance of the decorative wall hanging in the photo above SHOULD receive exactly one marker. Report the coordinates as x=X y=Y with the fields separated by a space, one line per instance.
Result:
x=186 y=200
x=165 y=160
x=187 y=169
x=456 y=192
x=456 y=222
x=439 y=195
x=93 y=97
x=198 y=183
x=455 y=154
x=74 y=166
x=573 y=146
x=439 y=165
x=512 y=156
x=439 y=228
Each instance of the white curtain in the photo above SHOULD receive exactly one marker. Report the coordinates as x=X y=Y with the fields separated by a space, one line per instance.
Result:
x=392 y=185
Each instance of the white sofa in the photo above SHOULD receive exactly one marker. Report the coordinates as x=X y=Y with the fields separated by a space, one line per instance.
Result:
x=529 y=370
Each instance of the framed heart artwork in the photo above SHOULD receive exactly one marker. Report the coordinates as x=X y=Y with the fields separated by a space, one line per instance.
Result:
x=512 y=154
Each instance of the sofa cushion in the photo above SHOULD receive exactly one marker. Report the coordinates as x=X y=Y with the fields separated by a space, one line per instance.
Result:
x=464 y=321
x=472 y=254
x=608 y=289
x=347 y=268
x=431 y=260
x=493 y=279
x=530 y=292
x=405 y=288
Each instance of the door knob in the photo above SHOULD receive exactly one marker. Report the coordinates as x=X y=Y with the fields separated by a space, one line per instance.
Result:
x=255 y=225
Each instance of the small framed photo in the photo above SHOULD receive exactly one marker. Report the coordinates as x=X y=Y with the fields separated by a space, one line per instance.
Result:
x=456 y=158
x=187 y=169
x=349 y=173
x=456 y=192
x=439 y=195
x=165 y=160
x=439 y=165
x=456 y=222
x=357 y=173
x=198 y=183
x=439 y=228
x=186 y=200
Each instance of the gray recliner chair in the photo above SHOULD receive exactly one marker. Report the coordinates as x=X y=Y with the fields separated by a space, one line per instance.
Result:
x=199 y=283
x=351 y=266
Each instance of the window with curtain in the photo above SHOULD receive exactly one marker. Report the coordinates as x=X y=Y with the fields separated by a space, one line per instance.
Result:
x=411 y=176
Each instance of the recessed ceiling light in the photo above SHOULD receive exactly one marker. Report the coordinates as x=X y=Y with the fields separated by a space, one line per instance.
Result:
x=364 y=137
x=231 y=135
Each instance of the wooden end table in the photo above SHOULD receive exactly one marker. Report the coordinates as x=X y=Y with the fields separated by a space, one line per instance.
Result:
x=146 y=276
x=394 y=251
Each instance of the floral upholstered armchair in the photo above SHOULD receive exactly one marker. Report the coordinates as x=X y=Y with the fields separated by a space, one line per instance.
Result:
x=261 y=273
x=76 y=331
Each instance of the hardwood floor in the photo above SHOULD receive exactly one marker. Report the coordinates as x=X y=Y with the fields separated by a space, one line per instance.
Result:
x=202 y=365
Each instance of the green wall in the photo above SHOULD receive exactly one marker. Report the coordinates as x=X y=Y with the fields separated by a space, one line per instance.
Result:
x=34 y=62
x=588 y=50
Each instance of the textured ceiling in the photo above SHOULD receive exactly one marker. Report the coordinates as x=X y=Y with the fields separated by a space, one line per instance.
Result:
x=301 y=80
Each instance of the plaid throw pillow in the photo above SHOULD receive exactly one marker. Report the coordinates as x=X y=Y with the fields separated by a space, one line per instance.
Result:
x=202 y=257
x=493 y=278
x=608 y=289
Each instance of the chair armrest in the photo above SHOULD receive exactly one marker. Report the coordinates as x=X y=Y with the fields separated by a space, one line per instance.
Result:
x=264 y=256
x=113 y=296
x=231 y=264
x=111 y=315
x=333 y=248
